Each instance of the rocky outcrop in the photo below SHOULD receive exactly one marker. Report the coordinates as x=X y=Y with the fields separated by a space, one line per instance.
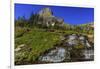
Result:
x=76 y=40
x=72 y=48
x=45 y=12
x=47 y=19
x=57 y=54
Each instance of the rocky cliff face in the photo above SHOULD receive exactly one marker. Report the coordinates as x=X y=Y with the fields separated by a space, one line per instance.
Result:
x=45 y=12
x=47 y=18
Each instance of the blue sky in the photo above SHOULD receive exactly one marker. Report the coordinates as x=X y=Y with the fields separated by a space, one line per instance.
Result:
x=71 y=15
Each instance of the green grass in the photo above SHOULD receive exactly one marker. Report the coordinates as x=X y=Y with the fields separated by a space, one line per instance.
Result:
x=38 y=40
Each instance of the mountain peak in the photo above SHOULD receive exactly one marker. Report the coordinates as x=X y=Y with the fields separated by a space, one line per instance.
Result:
x=45 y=12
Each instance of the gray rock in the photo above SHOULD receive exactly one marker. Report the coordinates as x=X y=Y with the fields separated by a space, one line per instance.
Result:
x=72 y=40
x=89 y=54
x=19 y=47
x=73 y=37
x=88 y=44
x=55 y=55
x=45 y=12
x=48 y=20
x=82 y=38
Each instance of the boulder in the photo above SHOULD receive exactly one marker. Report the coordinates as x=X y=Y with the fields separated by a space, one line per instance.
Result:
x=58 y=54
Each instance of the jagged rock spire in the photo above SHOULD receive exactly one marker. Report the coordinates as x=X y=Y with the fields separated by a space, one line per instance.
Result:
x=46 y=12
x=46 y=18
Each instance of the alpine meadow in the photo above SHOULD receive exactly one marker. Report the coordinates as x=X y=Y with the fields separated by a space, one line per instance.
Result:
x=53 y=34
